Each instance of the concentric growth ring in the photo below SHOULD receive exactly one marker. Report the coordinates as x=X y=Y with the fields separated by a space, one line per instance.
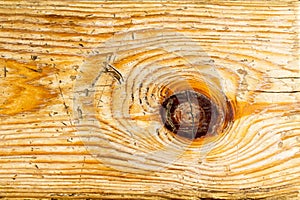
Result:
x=143 y=101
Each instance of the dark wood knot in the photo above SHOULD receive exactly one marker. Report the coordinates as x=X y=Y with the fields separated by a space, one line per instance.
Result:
x=189 y=114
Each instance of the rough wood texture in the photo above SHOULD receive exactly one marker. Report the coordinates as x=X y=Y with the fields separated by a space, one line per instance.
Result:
x=81 y=83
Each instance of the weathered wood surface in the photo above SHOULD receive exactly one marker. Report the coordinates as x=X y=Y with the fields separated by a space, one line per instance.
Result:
x=64 y=133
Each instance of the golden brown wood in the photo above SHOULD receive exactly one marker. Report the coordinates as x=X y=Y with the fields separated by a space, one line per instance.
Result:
x=82 y=81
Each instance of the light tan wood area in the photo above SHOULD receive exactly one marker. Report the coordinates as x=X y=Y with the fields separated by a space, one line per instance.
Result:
x=82 y=83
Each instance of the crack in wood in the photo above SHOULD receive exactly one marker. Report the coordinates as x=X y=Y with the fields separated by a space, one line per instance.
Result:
x=285 y=92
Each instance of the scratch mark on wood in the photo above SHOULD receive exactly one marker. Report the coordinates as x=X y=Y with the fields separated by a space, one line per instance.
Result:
x=64 y=101
x=98 y=104
x=114 y=72
x=109 y=68
x=86 y=92
x=33 y=57
x=35 y=70
x=5 y=71
x=79 y=113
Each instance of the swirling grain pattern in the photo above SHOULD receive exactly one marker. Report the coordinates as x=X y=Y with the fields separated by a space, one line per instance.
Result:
x=82 y=84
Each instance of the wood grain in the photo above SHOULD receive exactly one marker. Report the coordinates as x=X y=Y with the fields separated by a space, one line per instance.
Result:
x=82 y=83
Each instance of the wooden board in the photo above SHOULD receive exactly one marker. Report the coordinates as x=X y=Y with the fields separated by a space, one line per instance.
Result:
x=81 y=84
